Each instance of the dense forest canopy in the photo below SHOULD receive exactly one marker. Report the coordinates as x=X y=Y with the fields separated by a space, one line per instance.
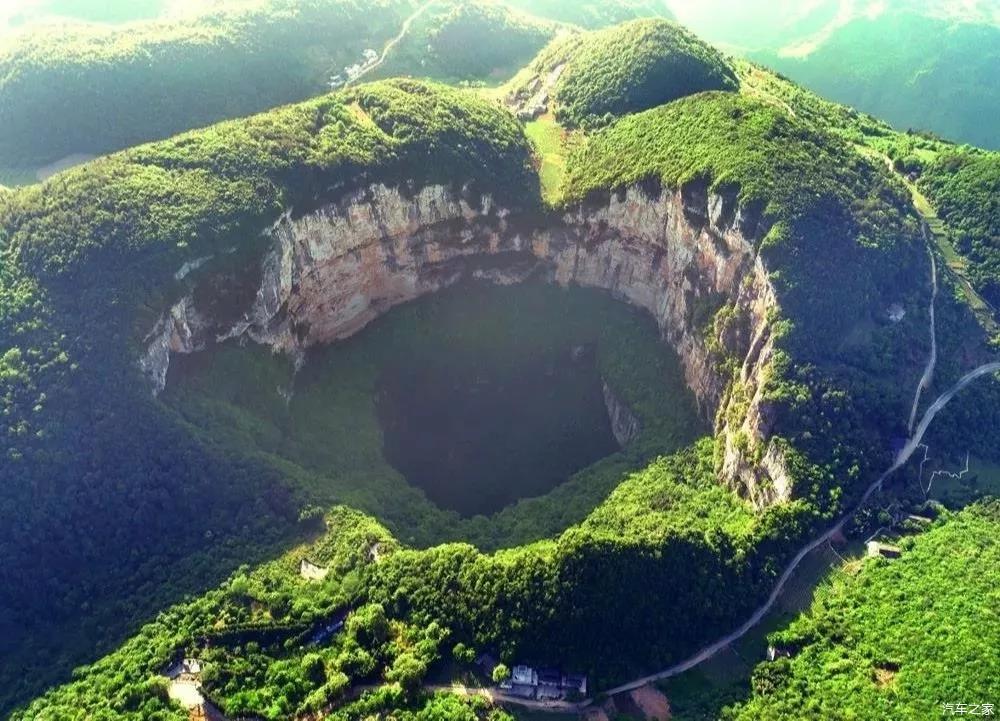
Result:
x=900 y=638
x=591 y=78
x=59 y=88
x=635 y=66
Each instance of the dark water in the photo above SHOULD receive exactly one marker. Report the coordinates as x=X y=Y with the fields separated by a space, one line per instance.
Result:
x=477 y=438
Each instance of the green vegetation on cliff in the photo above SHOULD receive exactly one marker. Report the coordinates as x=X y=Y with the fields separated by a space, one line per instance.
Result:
x=327 y=440
x=899 y=639
x=817 y=209
x=202 y=191
x=965 y=188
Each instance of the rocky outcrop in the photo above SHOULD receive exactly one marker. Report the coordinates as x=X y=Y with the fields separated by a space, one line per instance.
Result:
x=625 y=425
x=679 y=254
x=181 y=330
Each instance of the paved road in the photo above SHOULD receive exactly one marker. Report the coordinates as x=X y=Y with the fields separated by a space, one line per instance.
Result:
x=925 y=379
x=497 y=697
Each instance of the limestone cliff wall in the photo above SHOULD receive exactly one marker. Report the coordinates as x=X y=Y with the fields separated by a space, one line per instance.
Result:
x=674 y=253
x=625 y=426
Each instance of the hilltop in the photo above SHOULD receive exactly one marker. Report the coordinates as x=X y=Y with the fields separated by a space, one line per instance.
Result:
x=592 y=77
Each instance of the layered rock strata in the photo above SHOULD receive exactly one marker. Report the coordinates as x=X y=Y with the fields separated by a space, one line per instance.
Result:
x=679 y=254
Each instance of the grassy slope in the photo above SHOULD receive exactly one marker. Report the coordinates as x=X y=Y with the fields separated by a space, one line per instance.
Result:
x=550 y=141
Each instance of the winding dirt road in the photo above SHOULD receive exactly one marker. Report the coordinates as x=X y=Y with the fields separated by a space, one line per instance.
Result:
x=392 y=43
x=901 y=458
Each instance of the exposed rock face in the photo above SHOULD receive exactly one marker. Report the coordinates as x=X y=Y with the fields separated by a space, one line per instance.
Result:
x=678 y=254
x=180 y=330
x=624 y=424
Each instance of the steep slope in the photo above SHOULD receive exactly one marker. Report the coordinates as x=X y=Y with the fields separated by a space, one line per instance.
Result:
x=965 y=187
x=924 y=65
x=913 y=71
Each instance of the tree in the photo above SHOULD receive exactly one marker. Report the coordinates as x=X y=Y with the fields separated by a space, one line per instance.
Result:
x=463 y=653
x=500 y=673
x=408 y=671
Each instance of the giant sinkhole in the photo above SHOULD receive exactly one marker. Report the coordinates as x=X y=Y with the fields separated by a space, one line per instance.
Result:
x=453 y=407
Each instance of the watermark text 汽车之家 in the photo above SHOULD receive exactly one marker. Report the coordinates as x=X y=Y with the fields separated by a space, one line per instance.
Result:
x=968 y=709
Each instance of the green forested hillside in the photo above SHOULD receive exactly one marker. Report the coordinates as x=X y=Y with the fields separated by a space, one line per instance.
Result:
x=900 y=639
x=825 y=209
x=60 y=83
x=624 y=69
x=922 y=64
x=469 y=41
x=965 y=188
x=911 y=70
x=419 y=605
x=58 y=88
x=103 y=490
x=636 y=66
